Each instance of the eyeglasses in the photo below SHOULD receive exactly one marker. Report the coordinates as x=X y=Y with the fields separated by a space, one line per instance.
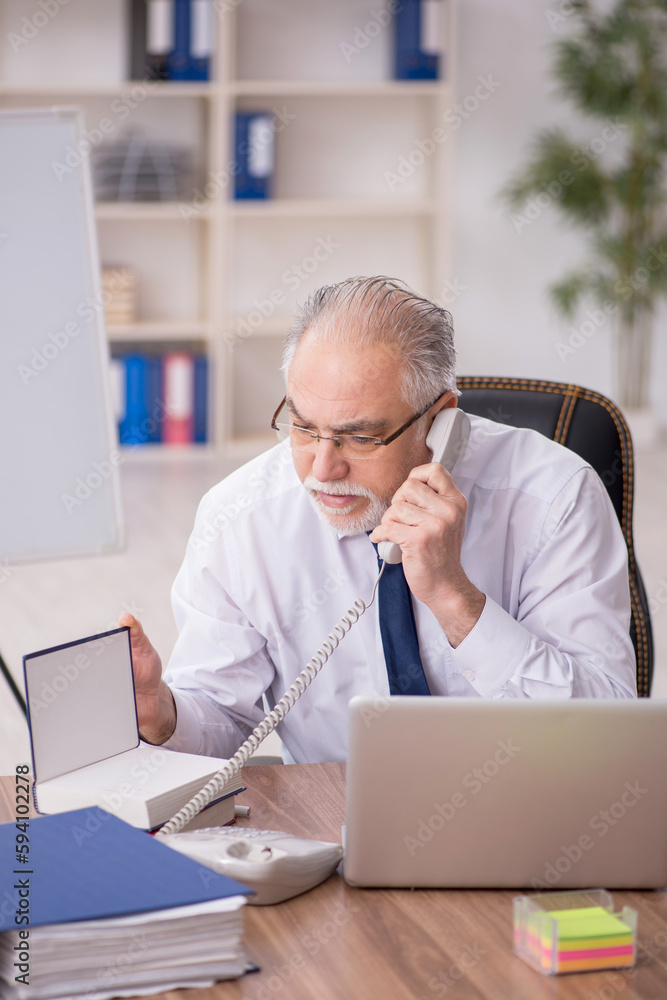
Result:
x=350 y=446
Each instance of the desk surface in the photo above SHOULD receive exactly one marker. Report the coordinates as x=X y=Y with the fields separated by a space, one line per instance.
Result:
x=338 y=942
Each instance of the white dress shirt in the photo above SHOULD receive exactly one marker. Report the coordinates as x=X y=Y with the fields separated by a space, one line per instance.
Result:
x=264 y=580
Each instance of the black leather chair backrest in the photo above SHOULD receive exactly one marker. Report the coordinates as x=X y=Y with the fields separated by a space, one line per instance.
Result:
x=593 y=427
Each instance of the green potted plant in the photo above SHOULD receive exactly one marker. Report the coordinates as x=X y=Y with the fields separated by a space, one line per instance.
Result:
x=612 y=66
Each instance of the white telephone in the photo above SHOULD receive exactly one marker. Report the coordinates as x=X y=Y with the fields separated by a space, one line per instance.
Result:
x=276 y=865
x=447 y=439
x=226 y=849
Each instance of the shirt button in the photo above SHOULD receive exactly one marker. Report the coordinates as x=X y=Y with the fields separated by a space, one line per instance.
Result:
x=469 y=675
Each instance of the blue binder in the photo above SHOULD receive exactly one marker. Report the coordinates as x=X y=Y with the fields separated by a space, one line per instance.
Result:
x=201 y=38
x=412 y=62
x=254 y=154
x=133 y=427
x=201 y=399
x=90 y=865
x=154 y=400
x=179 y=57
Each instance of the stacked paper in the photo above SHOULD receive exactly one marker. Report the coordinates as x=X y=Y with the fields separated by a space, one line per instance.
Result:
x=97 y=908
x=184 y=946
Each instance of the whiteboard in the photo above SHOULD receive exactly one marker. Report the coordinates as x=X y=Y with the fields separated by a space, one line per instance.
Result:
x=59 y=457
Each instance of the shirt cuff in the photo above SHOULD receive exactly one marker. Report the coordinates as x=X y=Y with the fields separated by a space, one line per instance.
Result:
x=492 y=651
x=187 y=736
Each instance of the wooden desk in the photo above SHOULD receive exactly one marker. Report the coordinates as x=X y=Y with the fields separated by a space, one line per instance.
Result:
x=338 y=942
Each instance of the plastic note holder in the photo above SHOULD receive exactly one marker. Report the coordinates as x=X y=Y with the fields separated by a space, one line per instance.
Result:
x=574 y=932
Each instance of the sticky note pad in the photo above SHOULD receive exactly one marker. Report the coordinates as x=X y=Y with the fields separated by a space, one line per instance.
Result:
x=588 y=938
x=573 y=939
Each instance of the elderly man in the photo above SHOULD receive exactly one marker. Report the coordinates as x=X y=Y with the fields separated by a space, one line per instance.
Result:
x=514 y=565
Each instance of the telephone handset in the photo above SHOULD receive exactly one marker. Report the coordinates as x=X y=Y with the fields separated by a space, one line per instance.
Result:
x=447 y=439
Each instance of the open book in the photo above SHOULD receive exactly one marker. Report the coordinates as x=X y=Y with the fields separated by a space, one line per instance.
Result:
x=85 y=740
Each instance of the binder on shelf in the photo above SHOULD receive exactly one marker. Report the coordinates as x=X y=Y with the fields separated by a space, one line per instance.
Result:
x=201 y=399
x=179 y=57
x=133 y=427
x=202 y=31
x=161 y=396
x=178 y=384
x=159 y=37
x=254 y=154
x=154 y=399
x=417 y=37
x=138 y=60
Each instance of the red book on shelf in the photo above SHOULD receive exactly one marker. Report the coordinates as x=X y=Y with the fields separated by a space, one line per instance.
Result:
x=178 y=382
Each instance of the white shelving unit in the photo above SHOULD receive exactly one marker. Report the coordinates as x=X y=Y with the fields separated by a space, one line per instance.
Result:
x=358 y=188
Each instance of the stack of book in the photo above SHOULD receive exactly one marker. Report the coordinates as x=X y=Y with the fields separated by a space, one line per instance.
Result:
x=160 y=398
x=78 y=765
x=103 y=909
x=119 y=291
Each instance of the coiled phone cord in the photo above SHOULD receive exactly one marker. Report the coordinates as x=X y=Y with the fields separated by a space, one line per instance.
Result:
x=267 y=725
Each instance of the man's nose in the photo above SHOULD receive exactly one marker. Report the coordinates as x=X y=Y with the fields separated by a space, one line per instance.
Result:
x=328 y=462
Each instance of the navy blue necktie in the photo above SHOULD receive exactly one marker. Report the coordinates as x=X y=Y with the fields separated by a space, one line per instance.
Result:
x=399 y=632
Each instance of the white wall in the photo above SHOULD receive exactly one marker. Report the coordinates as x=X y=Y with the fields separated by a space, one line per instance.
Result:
x=504 y=322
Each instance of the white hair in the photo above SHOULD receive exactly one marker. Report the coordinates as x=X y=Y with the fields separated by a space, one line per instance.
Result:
x=366 y=311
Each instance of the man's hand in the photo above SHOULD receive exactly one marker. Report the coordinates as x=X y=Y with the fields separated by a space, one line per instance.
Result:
x=427 y=519
x=156 y=711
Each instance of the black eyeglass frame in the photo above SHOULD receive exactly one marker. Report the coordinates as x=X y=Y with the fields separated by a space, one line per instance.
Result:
x=368 y=437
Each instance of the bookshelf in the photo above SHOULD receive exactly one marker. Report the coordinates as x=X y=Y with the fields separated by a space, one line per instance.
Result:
x=354 y=191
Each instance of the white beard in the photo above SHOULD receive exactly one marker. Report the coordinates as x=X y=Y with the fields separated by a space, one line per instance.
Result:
x=338 y=518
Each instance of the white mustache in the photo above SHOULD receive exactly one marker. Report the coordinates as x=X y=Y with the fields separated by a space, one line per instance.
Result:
x=338 y=488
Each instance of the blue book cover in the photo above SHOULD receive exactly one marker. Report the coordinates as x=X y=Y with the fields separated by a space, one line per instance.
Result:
x=179 y=57
x=202 y=29
x=201 y=399
x=154 y=401
x=416 y=38
x=133 y=428
x=88 y=864
x=254 y=154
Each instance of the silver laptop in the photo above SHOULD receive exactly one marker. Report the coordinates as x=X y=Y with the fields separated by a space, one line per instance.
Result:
x=456 y=792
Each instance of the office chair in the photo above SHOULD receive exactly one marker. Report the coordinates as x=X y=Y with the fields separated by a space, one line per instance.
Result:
x=592 y=426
